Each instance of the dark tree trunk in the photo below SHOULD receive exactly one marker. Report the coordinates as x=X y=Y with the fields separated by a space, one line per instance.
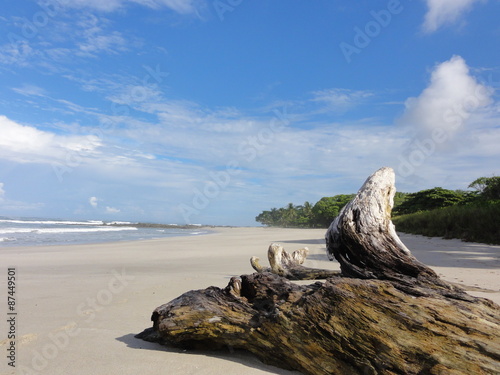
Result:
x=386 y=313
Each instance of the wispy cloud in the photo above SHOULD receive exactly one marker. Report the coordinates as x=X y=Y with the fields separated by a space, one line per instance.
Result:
x=179 y=6
x=2 y=192
x=112 y=210
x=339 y=99
x=70 y=37
x=443 y=12
x=184 y=7
x=21 y=207
x=96 y=39
x=112 y=43
x=16 y=53
x=30 y=90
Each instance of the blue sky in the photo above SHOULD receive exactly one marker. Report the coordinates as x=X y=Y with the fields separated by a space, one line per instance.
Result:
x=194 y=111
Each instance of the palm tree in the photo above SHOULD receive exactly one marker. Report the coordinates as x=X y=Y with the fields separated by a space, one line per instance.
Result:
x=290 y=215
x=306 y=215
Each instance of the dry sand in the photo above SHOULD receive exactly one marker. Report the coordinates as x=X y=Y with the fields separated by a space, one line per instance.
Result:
x=80 y=306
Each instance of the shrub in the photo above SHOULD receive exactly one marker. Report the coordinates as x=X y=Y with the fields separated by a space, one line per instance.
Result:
x=471 y=222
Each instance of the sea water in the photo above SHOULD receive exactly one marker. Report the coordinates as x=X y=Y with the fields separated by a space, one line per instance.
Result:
x=35 y=232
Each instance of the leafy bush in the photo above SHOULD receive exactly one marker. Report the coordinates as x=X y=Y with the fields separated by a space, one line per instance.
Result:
x=429 y=199
x=327 y=208
x=289 y=216
x=478 y=222
x=488 y=188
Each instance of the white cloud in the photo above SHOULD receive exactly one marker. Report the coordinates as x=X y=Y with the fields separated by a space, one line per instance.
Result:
x=448 y=102
x=112 y=43
x=30 y=90
x=71 y=36
x=16 y=53
x=454 y=122
x=338 y=99
x=23 y=143
x=93 y=201
x=95 y=38
x=442 y=12
x=2 y=191
x=112 y=210
x=180 y=6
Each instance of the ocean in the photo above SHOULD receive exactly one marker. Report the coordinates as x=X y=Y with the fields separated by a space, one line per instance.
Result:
x=37 y=232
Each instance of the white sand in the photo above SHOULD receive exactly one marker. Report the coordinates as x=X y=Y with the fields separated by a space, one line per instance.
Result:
x=80 y=306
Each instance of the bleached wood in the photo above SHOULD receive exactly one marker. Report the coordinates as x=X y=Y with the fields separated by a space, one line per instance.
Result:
x=290 y=265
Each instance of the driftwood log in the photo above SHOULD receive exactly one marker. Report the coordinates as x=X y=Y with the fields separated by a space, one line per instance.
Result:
x=290 y=265
x=384 y=313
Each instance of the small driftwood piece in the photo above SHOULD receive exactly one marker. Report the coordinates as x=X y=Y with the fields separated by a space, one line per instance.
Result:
x=386 y=313
x=290 y=265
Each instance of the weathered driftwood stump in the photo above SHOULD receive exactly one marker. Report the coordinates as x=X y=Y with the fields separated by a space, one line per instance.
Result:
x=385 y=313
x=290 y=265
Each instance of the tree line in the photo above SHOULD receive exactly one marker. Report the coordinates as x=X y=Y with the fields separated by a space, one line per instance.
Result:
x=321 y=214
x=306 y=215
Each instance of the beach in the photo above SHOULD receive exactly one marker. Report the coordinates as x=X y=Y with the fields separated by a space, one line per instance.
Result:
x=78 y=307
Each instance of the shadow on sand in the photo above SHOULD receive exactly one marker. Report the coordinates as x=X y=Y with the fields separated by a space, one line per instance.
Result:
x=438 y=252
x=432 y=251
x=242 y=357
x=315 y=241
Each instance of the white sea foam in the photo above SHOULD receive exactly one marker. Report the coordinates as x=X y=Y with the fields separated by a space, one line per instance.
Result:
x=64 y=230
x=34 y=232
x=83 y=230
x=16 y=230
x=54 y=222
x=7 y=239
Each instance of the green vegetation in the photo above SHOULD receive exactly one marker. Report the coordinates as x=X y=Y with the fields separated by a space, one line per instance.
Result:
x=488 y=188
x=471 y=222
x=468 y=215
x=328 y=207
x=428 y=200
x=305 y=216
